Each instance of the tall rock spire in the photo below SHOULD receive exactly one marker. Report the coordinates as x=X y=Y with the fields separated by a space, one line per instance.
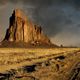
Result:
x=22 y=30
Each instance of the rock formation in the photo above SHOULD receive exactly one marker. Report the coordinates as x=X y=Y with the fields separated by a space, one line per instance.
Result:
x=22 y=30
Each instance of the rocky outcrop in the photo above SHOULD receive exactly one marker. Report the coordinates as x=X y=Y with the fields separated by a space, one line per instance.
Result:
x=22 y=30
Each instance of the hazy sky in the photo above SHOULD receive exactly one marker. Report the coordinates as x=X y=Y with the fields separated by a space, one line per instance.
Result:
x=60 y=19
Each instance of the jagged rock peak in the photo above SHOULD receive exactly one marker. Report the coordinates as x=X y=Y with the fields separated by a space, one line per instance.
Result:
x=22 y=30
x=19 y=13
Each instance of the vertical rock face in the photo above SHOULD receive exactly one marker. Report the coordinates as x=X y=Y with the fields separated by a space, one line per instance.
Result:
x=22 y=30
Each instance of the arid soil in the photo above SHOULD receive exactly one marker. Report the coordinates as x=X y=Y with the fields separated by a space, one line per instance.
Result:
x=40 y=64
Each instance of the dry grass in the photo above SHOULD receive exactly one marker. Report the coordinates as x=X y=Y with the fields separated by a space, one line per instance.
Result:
x=11 y=58
x=49 y=64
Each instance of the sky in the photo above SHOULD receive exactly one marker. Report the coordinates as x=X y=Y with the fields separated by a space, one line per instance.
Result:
x=60 y=19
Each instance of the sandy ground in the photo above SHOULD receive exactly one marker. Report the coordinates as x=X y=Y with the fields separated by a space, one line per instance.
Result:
x=39 y=64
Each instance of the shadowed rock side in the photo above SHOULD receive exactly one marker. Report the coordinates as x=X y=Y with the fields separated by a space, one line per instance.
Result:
x=22 y=30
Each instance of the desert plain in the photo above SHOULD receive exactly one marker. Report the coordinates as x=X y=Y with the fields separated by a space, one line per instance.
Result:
x=39 y=63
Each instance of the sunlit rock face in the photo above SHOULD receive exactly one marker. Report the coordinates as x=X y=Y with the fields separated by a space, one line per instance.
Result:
x=22 y=30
